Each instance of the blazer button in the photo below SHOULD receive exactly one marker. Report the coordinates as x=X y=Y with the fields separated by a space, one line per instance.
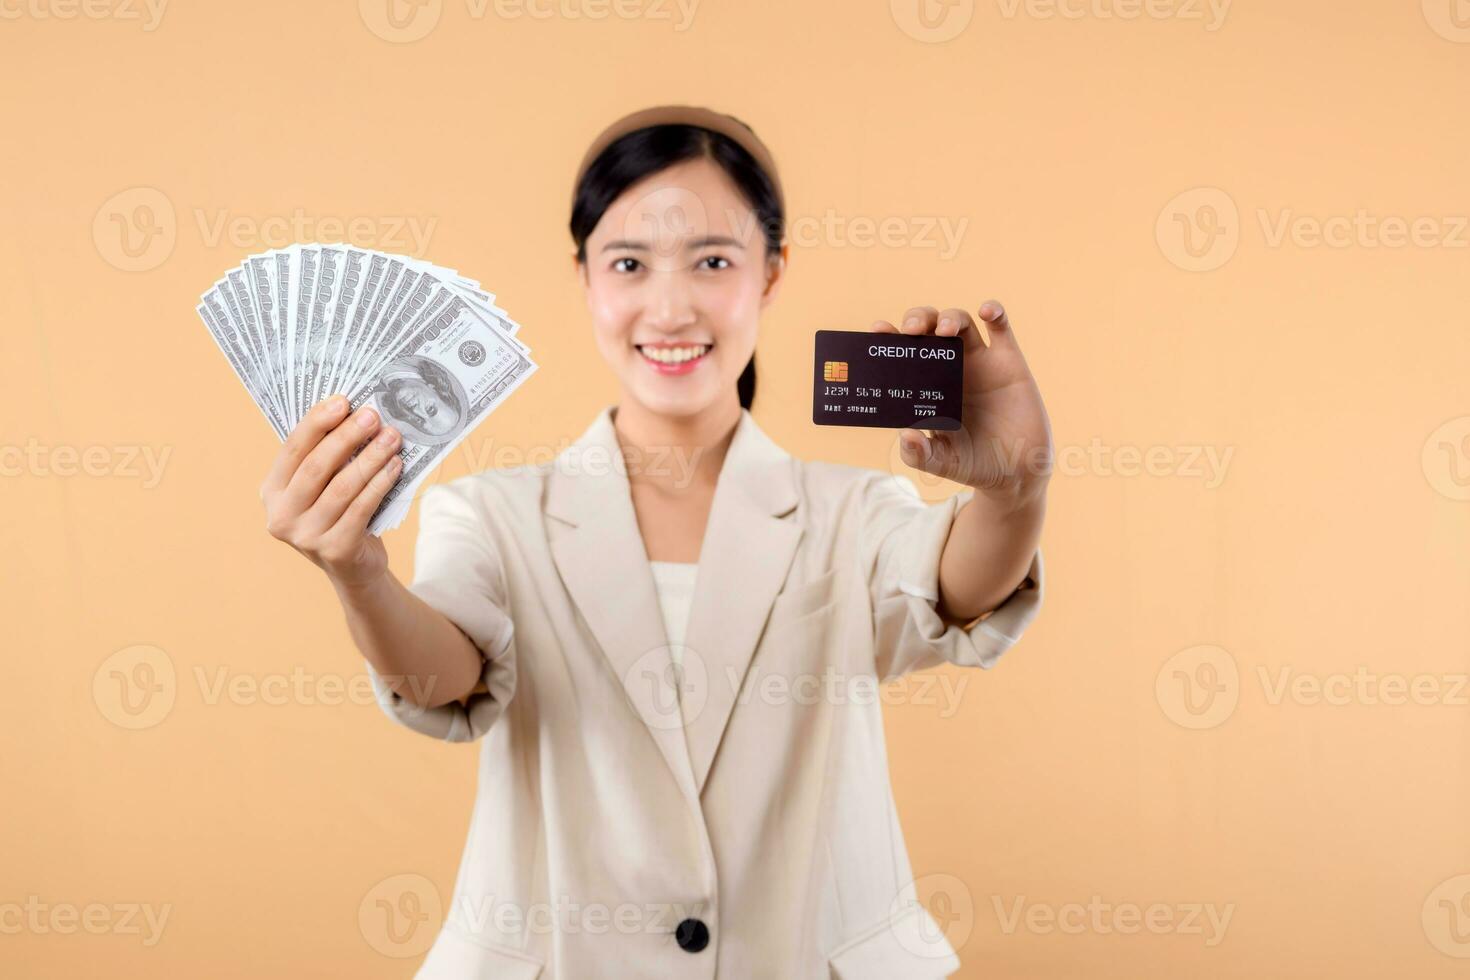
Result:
x=693 y=935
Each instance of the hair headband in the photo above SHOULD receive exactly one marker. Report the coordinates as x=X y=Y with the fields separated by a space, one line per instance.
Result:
x=684 y=115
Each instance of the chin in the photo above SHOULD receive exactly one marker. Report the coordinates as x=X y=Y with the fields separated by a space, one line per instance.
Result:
x=675 y=404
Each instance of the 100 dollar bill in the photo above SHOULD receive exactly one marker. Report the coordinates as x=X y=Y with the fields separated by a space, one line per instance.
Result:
x=451 y=372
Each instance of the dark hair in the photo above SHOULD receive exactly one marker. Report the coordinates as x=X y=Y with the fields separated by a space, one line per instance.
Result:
x=644 y=152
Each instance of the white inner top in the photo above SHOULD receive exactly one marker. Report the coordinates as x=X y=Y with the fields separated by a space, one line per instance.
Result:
x=674 y=581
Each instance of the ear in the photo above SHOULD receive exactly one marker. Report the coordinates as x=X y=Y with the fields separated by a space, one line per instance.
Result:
x=775 y=274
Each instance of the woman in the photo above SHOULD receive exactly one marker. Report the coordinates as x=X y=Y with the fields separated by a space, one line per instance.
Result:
x=663 y=634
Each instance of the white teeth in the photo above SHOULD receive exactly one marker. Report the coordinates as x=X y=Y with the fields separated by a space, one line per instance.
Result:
x=673 y=355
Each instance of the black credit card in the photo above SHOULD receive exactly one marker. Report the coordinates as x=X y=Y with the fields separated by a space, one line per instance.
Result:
x=888 y=380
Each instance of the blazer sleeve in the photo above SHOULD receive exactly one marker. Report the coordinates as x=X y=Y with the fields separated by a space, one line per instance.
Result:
x=903 y=538
x=458 y=572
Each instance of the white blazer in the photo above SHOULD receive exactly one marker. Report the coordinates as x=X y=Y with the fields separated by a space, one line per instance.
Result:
x=733 y=821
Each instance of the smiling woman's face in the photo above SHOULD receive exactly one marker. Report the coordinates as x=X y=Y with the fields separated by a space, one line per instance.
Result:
x=676 y=276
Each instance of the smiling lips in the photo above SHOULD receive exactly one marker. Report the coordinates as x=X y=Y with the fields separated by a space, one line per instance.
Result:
x=673 y=358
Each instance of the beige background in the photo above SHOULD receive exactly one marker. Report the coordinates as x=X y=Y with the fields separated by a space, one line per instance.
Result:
x=1137 y=749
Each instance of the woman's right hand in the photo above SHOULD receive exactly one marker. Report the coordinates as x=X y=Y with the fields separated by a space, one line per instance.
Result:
x=319 y=499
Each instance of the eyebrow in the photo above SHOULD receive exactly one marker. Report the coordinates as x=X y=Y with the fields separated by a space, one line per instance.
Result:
x=693 y=243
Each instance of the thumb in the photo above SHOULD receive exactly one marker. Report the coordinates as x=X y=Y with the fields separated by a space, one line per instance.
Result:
x=946 y=454
x=913 y=447
x=922 y=452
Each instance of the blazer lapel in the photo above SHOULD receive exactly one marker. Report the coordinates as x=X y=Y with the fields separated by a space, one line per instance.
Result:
x=599 y=552
x=748 y=546
x=744 y=558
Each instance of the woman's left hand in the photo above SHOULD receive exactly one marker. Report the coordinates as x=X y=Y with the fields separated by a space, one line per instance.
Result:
x=1003 y=448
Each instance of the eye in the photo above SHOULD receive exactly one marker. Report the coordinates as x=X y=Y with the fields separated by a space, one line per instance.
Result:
x=630 y=266
x=713 y=262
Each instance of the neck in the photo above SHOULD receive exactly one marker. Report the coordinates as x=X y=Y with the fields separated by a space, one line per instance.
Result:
x=675 y=452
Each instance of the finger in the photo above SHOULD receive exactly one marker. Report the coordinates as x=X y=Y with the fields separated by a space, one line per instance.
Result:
x=323 y=462
x=354 y=521
x=920 y=319
x=997 y=322
x=317 y=422
x=994 y=314
x=351 y=478
x=955 y=322
x=913 y=448
x=934 y=454
x=883 y=326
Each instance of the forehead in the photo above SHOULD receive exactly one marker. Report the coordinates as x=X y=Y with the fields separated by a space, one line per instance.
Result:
x=692 y=197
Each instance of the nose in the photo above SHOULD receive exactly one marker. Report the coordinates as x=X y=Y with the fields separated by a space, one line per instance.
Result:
x=669 y=301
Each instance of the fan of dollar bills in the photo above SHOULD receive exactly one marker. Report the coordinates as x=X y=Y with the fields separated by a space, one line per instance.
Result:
x=426 y=347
